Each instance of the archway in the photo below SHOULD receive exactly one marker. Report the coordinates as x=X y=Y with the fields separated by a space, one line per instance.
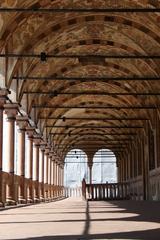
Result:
x=75 y=168
x=104 y=167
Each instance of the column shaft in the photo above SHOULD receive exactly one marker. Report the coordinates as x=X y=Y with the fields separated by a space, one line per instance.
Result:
x=63 y=176
x=51 y=170
x=12 y=191
x=42 y=173
x=1 y=137
x=57 y=175
x=90 y=175
x=3 y=97
x=21 y=152
x=31 y=158
x=47 y=168
x=22 y=195
x=2 y=192
x=11 y=144
x=37 y=163
x=30 y=162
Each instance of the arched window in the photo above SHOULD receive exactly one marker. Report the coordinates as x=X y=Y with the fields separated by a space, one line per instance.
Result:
x=76 y=168
x=104 y=167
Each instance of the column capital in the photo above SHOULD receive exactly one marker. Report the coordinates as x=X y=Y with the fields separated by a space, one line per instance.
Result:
x=57 y=162
x=90 y=164
x=22 y=122
x=11 y=109
x=30 y=131
x=37 y=139
x=3 y=96
x=47 y=150
x=61 y=165
x=4 y=92
x=43 y=145
x=50 y=154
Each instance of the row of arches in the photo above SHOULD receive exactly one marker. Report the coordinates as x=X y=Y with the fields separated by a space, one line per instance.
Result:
x=76 y=168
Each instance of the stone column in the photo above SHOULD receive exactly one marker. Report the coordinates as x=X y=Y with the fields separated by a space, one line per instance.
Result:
x=49 y=169
x=54 y=182
x=55 y=176
x=42 y=147
x=1 y=135
x=30 y=133
x=22 y=122
x=11 y=111
x=42 y=174
x=63 y=175
x=129 y=167
x=123 y=168
x=61 y=182
x=58 y=178
x=90 y=164
x=47 y=163
x=60 y=175
x=37 y=140
x=49 y=175
x=52 y=169
x=46 y=156
x=42 y=169
x=3 y=97
x=90 y=174
x=145 y=168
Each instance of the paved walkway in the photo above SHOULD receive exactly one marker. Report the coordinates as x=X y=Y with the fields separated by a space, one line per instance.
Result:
x=74 y=219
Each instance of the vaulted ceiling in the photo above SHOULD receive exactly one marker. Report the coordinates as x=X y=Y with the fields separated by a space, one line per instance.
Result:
x=82 y=101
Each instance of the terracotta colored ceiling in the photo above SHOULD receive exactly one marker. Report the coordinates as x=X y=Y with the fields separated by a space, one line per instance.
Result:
x=82 y=34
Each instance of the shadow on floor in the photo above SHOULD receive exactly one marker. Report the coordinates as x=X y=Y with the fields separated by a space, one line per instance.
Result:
x=137 y=235
x=147 y=212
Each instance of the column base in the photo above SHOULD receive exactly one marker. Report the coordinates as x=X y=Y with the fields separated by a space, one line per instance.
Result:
x=2 y=204
x=10 y=202
x=21 y=200
x=36 y=200
x=42 y=199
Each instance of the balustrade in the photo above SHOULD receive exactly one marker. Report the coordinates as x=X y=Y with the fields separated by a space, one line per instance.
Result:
x=105 y=191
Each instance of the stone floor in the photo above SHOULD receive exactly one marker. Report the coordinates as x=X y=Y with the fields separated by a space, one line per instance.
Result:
x=75 y=219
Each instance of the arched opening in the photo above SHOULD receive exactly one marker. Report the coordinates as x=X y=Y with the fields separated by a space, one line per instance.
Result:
x=75 y=168
x=104 y=167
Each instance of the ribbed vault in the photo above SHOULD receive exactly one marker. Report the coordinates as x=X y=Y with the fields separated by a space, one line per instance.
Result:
x=92 y=117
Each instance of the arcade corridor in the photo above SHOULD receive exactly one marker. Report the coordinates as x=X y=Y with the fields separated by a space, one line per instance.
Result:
x=79 y=74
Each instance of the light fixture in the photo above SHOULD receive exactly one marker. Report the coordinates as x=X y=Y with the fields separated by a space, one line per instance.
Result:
x=43 y=57
x=55 y=93
x=64 y=119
